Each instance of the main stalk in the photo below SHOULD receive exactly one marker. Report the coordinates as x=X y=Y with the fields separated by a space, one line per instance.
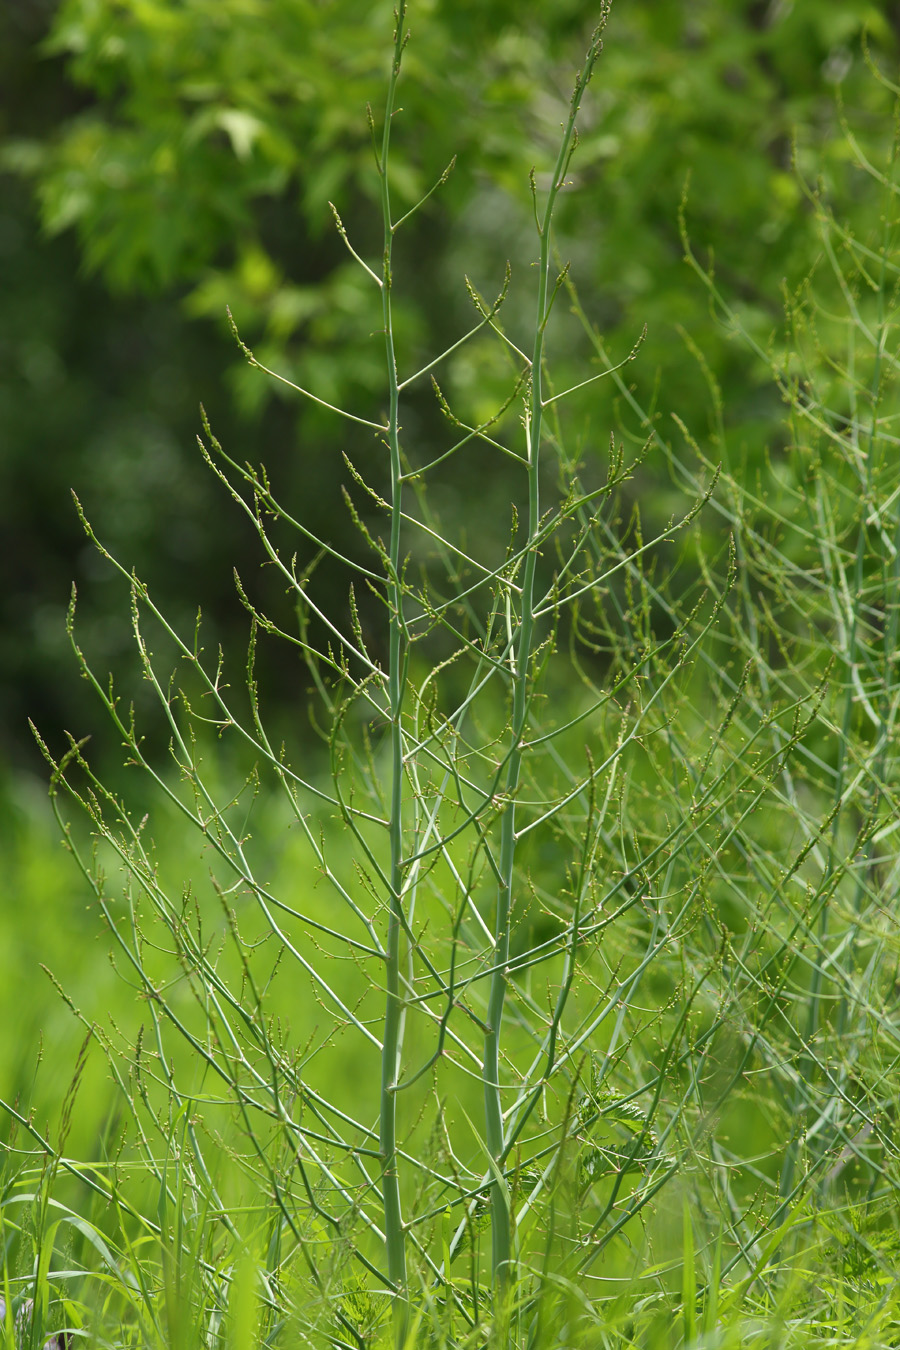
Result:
x=395 y=1237
x=521 y=660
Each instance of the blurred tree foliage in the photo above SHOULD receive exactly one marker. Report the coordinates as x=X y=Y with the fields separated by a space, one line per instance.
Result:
x=180 y=155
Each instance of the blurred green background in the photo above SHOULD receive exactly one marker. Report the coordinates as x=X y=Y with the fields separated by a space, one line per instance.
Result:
x=163 y=158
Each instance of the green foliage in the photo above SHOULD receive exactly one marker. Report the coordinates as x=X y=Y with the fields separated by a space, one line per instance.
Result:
x=559 y=1013
x=123 y=131
x=206 y=117
x=204 y=109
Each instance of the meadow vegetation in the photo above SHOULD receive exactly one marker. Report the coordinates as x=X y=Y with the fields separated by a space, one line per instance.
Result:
x=527 y=978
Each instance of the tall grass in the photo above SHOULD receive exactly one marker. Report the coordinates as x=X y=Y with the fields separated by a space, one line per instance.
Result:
x=564 y=1001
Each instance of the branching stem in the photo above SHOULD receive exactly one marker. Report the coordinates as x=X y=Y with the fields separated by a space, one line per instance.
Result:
x=521 y=661
x=395 y=1239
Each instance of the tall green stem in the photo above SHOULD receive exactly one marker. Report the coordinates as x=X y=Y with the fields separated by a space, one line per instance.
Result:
x=395 y=1238
x=521 y=658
